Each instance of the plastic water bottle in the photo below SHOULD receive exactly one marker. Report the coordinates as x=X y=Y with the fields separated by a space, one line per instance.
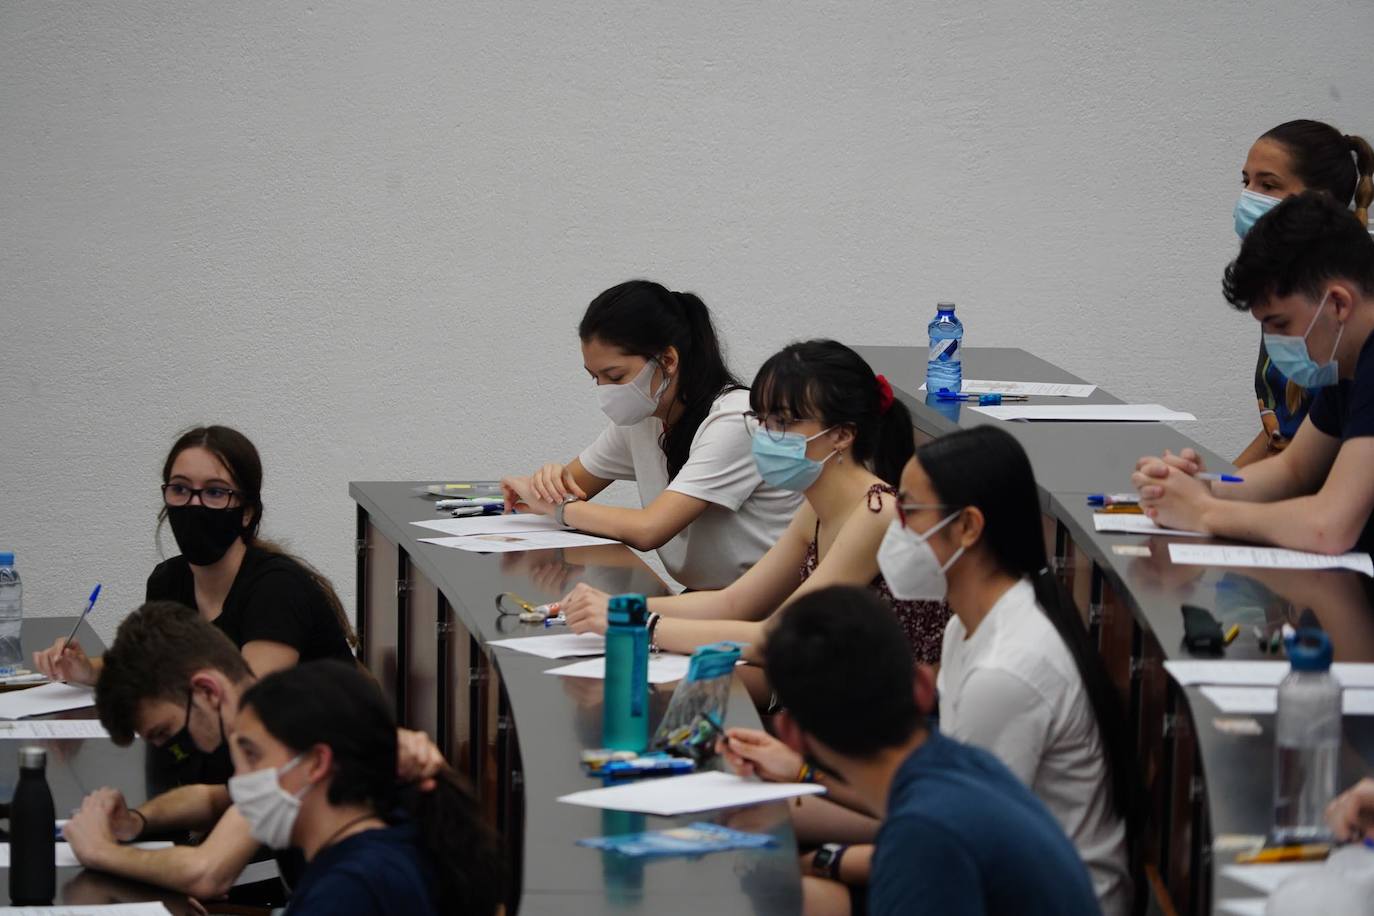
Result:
x=625 y=710
x=33 y=831
x=1307 y=742
x=11 y=615
x=945 y=367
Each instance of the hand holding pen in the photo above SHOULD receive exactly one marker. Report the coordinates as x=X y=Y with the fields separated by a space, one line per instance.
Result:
x=65 y=660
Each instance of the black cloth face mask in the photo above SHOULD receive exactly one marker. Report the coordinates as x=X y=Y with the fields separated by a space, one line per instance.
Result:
x=204 y=535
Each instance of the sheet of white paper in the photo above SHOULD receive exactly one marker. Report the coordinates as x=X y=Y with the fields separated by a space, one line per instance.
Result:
x=1098 y=413
x=683 y=794
x=1258 y=673
x=67 y=859
x=99 y=909
x=1254 y=906
x=1130 y=523
x=1266 y=557
x=254 y=872
x=559 y=645
x=664 y=668
x=44 y=699
x=513 y=542
x=1255 y=701
x=41 y=729
x=1265 y=878
x=492 y=524
x=1035 y=389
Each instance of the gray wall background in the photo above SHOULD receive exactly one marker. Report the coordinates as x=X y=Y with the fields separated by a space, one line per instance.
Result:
x=363 y=232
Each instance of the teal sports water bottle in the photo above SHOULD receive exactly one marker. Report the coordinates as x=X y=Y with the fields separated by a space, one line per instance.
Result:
x=625 y=710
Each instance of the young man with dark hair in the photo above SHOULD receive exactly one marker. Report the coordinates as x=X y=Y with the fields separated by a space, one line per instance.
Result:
x=1306 y=273
x=175 y=679
x=960 y=833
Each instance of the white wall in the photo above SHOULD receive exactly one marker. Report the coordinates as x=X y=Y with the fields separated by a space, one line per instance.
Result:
x=363 y=233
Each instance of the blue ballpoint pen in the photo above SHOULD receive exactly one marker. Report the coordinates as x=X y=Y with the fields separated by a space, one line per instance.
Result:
x=1220 y=478
x=95 y=593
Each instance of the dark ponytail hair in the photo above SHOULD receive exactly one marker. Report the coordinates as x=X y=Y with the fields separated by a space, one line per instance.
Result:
x=826 y=381
x=240 y=457
x=985 y=466
x=1322 y=159
x=334 y=704
x=643 y=318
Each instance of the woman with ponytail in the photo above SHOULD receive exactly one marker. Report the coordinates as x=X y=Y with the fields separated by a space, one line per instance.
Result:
x=823 y=425
x=1294 y=157
x=276 y=608
x=314 y=752
x=676 y=431
x=1019 y=675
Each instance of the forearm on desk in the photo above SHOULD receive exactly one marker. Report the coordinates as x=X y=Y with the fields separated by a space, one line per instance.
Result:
x=205 y=871
x=1296 y=524
x=648 y=528
x=679 y=635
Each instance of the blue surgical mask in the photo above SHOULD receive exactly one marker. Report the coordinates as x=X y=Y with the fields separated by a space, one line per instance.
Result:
x=1289 y=355
x=784 y=464
x=1250 y=208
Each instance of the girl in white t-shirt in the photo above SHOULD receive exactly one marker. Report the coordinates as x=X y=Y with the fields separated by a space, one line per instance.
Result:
x=676 y=431
x=1019 y=675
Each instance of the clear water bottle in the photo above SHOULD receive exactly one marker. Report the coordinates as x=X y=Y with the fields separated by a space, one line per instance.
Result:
x=11 y=615
x=1307 y=734
x=945 y=369
x=33 y=831
x=625 y=711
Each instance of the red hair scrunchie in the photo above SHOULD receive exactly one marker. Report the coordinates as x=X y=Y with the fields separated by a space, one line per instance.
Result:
x=885 y=396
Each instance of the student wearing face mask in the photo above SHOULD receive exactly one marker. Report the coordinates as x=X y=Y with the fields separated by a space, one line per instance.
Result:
x=1294 y=157
x=1306 y=273
x=315 y=756
x=823 y=425
x=173 y=678
x=1019 y=675
x=675 y=408
x=275 y=608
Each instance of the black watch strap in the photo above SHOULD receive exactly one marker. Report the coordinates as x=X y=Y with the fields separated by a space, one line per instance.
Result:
x=826 y=862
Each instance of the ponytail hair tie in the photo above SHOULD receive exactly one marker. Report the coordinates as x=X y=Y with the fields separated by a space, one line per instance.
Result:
x=885 y=397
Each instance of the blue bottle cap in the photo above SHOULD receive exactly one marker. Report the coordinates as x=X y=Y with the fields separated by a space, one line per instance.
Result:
x=1309 y=650
x=627 y=610
x=6 y=559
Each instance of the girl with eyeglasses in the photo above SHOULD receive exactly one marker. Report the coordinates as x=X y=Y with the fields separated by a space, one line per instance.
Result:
x=675 y=408
x=823 y=425
x=276 y=608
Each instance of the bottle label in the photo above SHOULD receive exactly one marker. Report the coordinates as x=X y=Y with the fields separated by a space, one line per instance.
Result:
x=943 y=350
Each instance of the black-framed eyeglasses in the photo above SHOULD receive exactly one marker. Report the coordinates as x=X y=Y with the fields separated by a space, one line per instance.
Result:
x=772 y=424
x=905 y=509
x=178 y=494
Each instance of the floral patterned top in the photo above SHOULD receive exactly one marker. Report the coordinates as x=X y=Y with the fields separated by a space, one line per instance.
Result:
x=923 y=621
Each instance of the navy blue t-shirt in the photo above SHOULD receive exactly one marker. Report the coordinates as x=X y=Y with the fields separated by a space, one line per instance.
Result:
x=1345 y=410
x=964 y=837
x=373 y=873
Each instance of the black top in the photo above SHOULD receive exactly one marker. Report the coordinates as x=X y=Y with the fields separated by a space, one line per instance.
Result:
x=1346 y=410
x=964 y=837
x=373 y=873
x=273 y=598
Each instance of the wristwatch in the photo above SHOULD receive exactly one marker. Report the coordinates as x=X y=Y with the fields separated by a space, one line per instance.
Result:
x=826 y=862
x=558 y=512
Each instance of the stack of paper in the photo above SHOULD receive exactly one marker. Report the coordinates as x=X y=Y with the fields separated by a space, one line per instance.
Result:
x=1032 y=389
x=1266 y=557
x=685 y=794
x=1085 y=413
x=664 y=668
x=1265 y=700
x=559 y=645
x=1130 y=523
x=1188 y=672
x=41 y=701
x=506 y=534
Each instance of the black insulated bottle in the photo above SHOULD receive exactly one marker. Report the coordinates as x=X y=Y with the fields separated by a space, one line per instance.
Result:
x=33 y=828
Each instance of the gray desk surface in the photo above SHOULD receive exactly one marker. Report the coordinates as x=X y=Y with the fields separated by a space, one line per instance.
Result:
x=555 y=718
x=75 y=768
x=1073 y=459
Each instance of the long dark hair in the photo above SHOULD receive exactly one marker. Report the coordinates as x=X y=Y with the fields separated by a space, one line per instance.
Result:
x=1322 y=158
x=985 y=467
x=643 y=318
x=238 y=454
x=826 y=381
x=332 y=703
